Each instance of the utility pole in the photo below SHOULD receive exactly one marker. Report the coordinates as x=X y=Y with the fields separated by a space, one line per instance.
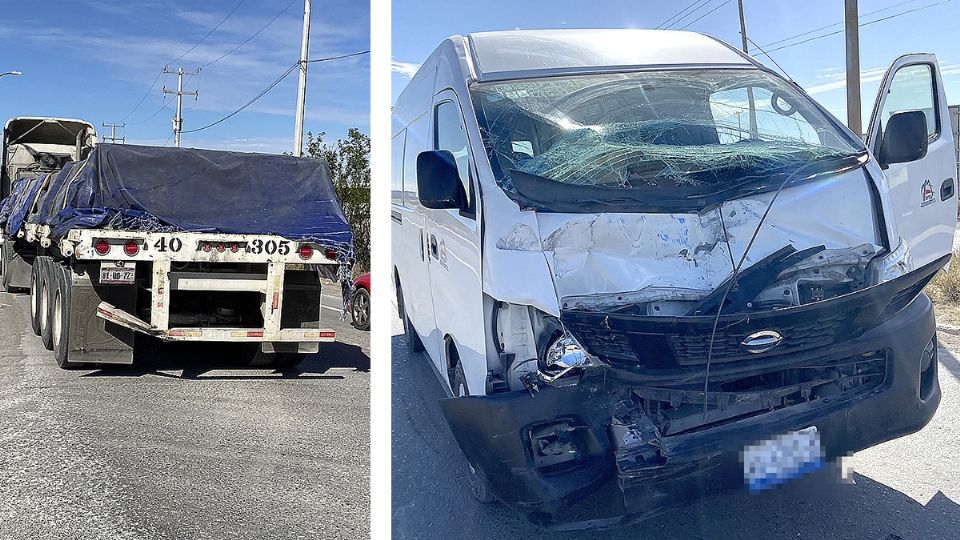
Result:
x=754 y=133
x=302 y=87
x=178 y=119
x=851 y=20
x=113 y=133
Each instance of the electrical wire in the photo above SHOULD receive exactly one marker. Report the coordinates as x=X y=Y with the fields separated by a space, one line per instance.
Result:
x=861 y=25
x=251 y=102
x=670 y=20
x=329 y=58
x=283 y=76
x=888 y=8
x=166 y=105
x=689 y=13
x=197 y=44
x=255 y=34
x=705 y=14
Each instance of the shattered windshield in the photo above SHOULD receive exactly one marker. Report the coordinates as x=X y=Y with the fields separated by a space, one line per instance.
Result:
x=687 y=132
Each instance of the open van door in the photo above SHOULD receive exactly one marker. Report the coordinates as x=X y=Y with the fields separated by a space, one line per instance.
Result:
x=923 y=187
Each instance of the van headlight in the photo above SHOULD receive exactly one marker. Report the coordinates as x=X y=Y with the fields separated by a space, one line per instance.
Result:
x=890 y=266
x=562 y=357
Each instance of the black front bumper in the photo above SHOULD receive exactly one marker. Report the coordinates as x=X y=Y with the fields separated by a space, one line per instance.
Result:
x=494 y=433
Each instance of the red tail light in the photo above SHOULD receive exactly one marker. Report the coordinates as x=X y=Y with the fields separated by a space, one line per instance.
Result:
x=306 y=251
x=331 y=254
x=102 y=247
x=206 y=247
x=221 y=248
x=234 y=248
x=131 y=247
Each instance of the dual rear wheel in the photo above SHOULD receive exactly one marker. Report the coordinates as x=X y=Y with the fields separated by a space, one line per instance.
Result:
x=50 y=297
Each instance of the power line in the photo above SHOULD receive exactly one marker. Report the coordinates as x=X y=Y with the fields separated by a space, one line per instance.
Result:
x=674 y=16
x=269 y=87
x=212 y=30
x=690 y=13
x=166 y=105
x=197 y=44
x=327 y=59
x=251 y=102
x=815 y=30
x=705 y=14
x=255 y=34
x=861 y=25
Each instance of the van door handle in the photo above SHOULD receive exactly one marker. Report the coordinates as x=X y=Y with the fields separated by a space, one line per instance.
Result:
x=946 y=189
x=422 y=257
x=433 y=247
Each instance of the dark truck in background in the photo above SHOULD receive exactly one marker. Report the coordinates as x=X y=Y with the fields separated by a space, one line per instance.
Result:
x=114 y=242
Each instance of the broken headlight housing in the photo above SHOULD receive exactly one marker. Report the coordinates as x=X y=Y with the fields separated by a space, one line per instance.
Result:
x=562 y=357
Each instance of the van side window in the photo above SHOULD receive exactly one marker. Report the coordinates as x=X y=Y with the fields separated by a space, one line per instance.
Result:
x=396 y=169
x=449 y=134
x=912 y=90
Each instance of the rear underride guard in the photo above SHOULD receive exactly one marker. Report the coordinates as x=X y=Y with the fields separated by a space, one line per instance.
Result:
x=633 y=438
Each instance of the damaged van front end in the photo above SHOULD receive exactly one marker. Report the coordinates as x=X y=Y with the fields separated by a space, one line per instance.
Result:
x=688 y=270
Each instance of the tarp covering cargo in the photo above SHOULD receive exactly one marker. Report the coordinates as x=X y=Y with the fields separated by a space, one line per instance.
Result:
x=148 y=188
x=6 y=207
x=21 y=204
x=50 y=199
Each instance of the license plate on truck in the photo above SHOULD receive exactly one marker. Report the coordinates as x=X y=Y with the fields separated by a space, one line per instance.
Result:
x=117 y=272
x=782 y=458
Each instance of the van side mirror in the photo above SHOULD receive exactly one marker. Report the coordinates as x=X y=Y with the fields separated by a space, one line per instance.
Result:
x=438 y=180
x=904 y=139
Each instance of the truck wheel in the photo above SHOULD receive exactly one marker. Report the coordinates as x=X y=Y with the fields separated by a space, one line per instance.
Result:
x=62 y=285
x=47 y=284
x=360 y=309
x=409 y=333
x=4 y=275
x=35 y=296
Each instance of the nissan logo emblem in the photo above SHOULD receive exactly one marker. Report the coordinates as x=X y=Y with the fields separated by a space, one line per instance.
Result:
x=761 y=342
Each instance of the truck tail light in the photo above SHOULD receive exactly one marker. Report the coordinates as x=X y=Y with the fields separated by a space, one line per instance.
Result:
x=131 y=248
x=221 y=248
x=102 y=247
x=306 y=251
x=331 y=254
x=206 y=246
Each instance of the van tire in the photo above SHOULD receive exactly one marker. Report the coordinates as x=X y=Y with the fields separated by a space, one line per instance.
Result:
x=47 y=283
x=410 y=335
x=60 y=315
x=479 y=487
x=35 y=297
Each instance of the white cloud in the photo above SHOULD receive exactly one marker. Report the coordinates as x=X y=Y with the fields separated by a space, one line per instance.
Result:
x=406 y=69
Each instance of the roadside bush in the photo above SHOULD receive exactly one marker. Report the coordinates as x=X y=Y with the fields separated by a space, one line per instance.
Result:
x=946 y=286
x=349 y=161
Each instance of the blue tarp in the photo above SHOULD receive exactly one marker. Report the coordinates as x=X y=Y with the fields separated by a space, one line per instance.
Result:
x=50 y=200
x=149 y=188
x=22 y=204
x=6 y=207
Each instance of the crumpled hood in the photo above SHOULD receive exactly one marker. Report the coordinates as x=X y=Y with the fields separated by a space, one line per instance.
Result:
x=673 y=256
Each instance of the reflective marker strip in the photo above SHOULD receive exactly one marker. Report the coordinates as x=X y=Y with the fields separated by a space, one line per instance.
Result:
x=186 y=333
x=330 y=335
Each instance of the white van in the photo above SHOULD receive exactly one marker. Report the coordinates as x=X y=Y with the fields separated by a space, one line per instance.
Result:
x=644 y=264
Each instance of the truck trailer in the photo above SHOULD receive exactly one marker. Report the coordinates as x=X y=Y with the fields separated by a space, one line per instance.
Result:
x=176 y=244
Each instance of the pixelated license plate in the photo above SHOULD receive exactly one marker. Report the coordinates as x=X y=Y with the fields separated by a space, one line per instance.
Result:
x=117 y=272
x=775 y=461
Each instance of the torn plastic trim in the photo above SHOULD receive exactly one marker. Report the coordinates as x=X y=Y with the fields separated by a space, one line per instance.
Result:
x=671 y=345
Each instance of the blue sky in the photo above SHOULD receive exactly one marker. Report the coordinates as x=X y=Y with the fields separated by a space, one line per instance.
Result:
x=818 y=65
x=95 y=59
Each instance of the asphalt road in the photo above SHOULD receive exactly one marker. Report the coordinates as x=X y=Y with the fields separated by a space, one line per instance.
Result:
x=906 y=488
x=182 y=444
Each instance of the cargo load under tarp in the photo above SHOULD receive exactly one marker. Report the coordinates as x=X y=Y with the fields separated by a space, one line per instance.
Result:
x=21 y=204
x=147 y=188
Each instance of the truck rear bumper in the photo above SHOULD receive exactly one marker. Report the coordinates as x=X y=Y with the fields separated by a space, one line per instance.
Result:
x=120 y=317
x=496 y=434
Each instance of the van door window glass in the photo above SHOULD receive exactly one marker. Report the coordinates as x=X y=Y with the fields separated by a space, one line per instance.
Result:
x=417 y=141
x=396 y=169
x=451 y=135
x=675 y=134
x=911 y=90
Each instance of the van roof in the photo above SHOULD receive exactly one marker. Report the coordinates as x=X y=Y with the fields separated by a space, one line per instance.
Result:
x=526 y=53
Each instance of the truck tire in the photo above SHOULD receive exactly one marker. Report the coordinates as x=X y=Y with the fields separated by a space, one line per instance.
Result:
x=35 y=297
x=4 y=275
x=60 y=315
x=47 y=285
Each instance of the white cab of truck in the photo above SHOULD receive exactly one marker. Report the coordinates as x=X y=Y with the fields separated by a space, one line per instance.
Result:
x=642 y=204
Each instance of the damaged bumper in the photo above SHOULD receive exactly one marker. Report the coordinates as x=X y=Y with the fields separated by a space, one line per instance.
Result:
x=625 y=444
